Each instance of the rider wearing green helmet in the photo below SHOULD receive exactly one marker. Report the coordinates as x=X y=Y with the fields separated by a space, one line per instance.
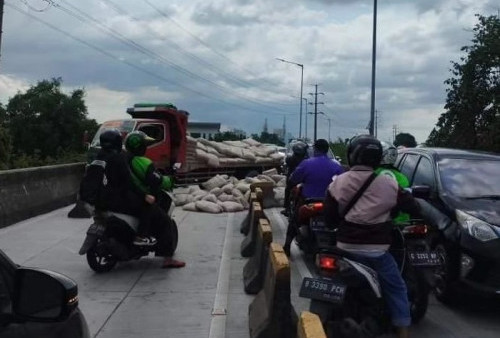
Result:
x=147 y=179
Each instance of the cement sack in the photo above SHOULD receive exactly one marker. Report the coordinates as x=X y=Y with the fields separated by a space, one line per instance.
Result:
x=251 y=142
x=211 y=150
x=243 y=187
x=191 y=140
x=228 y=188
x=244 y=202
x=262 y=160
x=259 y=151
x=248 y=155
x=238 y=144
x=231 y=206
x=204 y=142
x=212 y=161
x=216 y=191
x=233 y=180
x=270 y=172
x=226 y=197
x=190 y=207
x=201 y=146
x=277 y=178
x=202 y=155
x=207 y=206
x=194 y=188
x=215 y=182
x=210 y=197
x=266 y=178
x=236 y=193
x=281 y=183
x=182 y=199
x=277 y=157
x=247 y=195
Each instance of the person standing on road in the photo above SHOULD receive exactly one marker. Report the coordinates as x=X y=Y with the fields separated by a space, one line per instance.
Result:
x=365 y=230
x=315 y=174
x=299 y=153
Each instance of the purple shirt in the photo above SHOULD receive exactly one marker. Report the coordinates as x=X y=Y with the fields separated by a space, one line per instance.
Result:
x=315 y=174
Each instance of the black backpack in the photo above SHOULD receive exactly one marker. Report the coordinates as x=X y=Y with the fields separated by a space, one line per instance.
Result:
x=93 y=182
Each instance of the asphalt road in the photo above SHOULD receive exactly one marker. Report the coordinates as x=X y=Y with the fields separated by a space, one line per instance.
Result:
x=204 y=299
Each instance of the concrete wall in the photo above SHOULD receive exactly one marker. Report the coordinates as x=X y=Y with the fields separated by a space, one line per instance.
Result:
x=25 y=193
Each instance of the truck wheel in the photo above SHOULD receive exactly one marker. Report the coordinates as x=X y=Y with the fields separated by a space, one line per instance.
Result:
x=100 y=261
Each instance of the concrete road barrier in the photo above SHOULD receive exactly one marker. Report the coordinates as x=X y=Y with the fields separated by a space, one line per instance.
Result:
x=255 y=268
x=271 y=312
x=245 y=225
x=267 y=200
x=309 y=326
x=25 y=193
x=248 y=243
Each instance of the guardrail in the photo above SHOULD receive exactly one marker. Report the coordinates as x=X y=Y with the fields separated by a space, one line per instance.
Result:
x=25 y=193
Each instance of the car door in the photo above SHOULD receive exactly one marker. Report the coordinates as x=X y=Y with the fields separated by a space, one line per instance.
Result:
x=408 y=164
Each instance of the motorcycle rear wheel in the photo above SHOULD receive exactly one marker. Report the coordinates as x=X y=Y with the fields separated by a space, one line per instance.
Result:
x=98 y=262
x=175 y=235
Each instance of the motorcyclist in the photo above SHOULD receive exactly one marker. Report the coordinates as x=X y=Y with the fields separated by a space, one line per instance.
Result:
x=148 y=180
x=389 y=157
x=315 y=174
x=365 y=231
x=299 y=153
x=107 y=183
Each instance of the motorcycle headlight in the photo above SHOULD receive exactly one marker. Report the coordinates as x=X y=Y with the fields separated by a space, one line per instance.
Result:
x=476 y=227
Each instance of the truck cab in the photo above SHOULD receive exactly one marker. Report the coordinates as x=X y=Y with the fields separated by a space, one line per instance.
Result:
x=163 y=122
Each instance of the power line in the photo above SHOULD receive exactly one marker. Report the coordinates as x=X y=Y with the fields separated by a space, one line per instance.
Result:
x=181 y=50
x=130 y=64
x=86 y=18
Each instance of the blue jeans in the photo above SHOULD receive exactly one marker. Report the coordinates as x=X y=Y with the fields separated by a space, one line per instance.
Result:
x=393 y=287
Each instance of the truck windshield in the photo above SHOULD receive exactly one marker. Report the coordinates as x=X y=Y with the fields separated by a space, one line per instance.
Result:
x=470 y=178
x=124 y=126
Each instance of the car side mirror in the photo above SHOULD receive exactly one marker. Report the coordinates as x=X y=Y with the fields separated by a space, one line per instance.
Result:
x=421 y=191
x=43 y=296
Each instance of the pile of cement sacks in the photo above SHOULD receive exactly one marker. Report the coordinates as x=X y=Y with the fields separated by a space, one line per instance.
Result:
x=204 y=153
x=228 y=194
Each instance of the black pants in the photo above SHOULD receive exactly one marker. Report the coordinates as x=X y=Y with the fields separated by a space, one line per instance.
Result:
x=160 y=226
x=293 y=225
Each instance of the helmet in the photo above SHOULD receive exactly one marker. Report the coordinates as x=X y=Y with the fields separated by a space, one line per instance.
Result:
x=364 y=150
x=389 y=154
x=321 y=145
x=299 y=149
x=111 y=139
x=137 y=142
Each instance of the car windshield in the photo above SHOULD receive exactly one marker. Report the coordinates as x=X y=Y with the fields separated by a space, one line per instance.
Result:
x=124 y=126
x=470 y=178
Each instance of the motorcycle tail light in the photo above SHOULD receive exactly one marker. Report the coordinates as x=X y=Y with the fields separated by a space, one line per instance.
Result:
x=326 y=262
x=317 y=207
x=306 y=211
x=420 y=229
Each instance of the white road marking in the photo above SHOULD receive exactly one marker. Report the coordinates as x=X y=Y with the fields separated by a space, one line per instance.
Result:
x=219 y=310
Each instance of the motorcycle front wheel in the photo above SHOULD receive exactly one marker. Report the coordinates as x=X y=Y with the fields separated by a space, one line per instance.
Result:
x=99 y=260
x=175 y=235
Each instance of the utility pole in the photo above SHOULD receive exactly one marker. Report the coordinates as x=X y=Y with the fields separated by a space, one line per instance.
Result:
x=394 y=132
x=316 y=110
x=305 y=131
x=1 y=25
x=374 y=58
x=376 y=123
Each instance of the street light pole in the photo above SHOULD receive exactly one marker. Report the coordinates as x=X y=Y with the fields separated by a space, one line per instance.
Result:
x=374 y=53
x=305 y=130
x=301 y=89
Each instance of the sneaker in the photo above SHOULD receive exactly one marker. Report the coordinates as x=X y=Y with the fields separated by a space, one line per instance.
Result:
x=144 y=241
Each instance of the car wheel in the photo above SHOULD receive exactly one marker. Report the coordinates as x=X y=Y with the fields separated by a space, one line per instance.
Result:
x=100 y=261
x=445 y=274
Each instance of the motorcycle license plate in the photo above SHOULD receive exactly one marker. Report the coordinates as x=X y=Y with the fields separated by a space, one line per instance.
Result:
x=321 y=289
x=424 y=258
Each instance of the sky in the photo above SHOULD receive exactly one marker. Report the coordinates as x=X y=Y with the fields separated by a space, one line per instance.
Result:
x=217 y=59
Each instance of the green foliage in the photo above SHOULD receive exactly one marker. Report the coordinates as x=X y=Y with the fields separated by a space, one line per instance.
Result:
x=266 y=137
x=472 y=112
x=227 y=136
x=406 y=140
x=339 y=148
x=44 y=126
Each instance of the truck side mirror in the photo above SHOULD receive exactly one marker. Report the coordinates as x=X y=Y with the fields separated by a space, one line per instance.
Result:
x=421 y=191
x=43 y=296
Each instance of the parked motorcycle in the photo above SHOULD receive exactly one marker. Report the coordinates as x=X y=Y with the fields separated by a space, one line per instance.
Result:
x=110 y=238
x=346 y=294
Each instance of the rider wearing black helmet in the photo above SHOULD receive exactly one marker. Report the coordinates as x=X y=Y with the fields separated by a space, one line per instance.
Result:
x=365 y=228
x=299 y=153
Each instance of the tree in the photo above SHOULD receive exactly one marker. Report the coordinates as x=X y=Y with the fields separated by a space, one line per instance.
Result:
x=45 y=122
x=405 y=140
x=266 y=137
x=227 y=136
x=339 y=148
x=472 y=111
x=4 y=141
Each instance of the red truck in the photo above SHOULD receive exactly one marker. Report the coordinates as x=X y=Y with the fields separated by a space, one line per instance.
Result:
x=168 y=126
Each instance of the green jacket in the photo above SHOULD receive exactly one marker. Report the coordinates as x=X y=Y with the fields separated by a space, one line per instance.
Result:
x=145 y=176
x=402 y=182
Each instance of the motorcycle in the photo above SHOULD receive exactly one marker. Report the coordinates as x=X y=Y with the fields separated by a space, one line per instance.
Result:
x=110 y=238
x=346 y=294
